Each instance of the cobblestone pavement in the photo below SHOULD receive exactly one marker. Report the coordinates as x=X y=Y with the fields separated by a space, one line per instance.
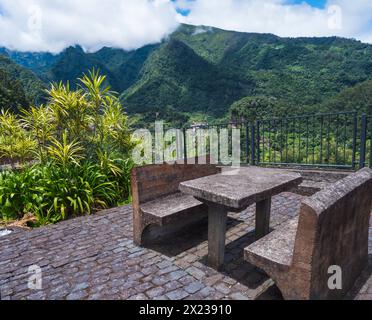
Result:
x=94 y=257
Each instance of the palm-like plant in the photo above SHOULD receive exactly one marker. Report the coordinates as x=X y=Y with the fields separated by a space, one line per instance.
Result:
x=64 y=153
x=40 y=122
x=70 y=110
x=16 y=144
x=82 y=140
x=93 y=85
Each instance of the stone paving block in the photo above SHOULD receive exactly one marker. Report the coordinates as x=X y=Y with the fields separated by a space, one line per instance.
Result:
x=177 y=294
x=155 y=292
x=94 y=258
x=194 y=287
x=78 y=295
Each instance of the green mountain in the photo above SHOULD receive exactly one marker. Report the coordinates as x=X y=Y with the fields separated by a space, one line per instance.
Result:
x=19 y=87
x=203 y=71
x=357 y=98
x=175 y=76
x=38 y=62
x=12 y=95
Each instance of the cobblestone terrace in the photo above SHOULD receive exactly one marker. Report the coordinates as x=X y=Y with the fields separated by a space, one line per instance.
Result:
x=94 y=257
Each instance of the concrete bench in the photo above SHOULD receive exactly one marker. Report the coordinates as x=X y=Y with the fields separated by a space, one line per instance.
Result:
x=331 y=230
x=159 y=209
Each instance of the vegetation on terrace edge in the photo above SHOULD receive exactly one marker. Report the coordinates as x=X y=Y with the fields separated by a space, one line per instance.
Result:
x=74 y=154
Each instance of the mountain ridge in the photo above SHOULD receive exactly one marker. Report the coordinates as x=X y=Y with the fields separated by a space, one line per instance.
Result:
x=204 y=70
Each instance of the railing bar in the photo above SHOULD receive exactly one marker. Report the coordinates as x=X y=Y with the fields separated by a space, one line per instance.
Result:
x=253 y=148
x=328 y=140
x=355 y=137
x=269 y=141
x=263 y=140
x=337 y=138
x=314 y=133
x=370 y=143
x=310 y=115
x=321 y=138
x=286 y=141
x=294 y=140
x=299 y=141
x=281 y=140
x=345 y=137
x=308 y=165
x=363 y=142
x=258 y=142
x=247 y=142
x=307 y=140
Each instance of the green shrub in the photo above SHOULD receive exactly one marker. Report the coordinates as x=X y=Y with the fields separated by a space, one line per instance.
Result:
x=17 y=194
x=71 y=191
x=54 y=193
x=81 y=143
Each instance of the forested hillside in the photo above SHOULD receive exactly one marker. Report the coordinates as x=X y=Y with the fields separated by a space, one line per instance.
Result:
x=207 y=72
x=12 y=95
x=19 y=87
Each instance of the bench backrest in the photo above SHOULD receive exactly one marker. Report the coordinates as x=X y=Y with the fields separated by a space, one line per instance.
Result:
x=153 y=181
x=333 y=231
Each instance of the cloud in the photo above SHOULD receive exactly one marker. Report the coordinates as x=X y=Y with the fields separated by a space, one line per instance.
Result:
x=52 y=25
x=339 y=17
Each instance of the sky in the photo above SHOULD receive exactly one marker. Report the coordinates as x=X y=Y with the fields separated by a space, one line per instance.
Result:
x=52 y=25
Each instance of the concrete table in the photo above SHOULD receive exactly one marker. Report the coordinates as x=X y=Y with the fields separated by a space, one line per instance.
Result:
x=234 y=191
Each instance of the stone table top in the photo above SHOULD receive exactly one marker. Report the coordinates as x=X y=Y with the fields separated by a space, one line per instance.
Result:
x=240 y=188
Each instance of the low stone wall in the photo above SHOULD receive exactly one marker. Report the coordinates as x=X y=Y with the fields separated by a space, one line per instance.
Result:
x=316 y=180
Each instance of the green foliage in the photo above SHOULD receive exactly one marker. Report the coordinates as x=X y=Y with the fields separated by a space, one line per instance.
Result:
x=205 y=70
x=257 y=107
x=177 y=77
x=16 y=144
x=72 y=190
x=12 y=94
x=64 y=153
x=26 y=88
x=17 y=196
x=357 y=98
x=54 y=193
x=81 y=143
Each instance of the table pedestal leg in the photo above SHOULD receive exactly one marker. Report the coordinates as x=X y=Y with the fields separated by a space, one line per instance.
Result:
x=263 y=211
x=217 y=221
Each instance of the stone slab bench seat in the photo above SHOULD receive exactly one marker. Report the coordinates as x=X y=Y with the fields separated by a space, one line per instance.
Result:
x=332 y=230
x=160 y=210
x=276 y=248
x=168 y=209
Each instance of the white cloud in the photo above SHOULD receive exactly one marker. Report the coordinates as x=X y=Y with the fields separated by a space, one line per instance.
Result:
x=52 y=25
x=339 y=17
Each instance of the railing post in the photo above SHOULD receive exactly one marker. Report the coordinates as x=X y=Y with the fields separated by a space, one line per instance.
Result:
x=370 y=142
x=247 y=140
x=258 y=143
x=185 y=144
x=253 y=144
x=363 y=142
x=355 y=137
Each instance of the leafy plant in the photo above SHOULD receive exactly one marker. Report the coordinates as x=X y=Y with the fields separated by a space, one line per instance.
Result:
x=80 y=142
x=63 y=153
x=17 y=193
x=16 y=144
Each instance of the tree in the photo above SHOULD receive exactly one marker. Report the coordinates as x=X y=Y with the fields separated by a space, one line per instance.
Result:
x=256 y=107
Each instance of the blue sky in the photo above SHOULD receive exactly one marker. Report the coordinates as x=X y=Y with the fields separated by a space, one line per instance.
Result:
x=51 y=25
x=313 y=3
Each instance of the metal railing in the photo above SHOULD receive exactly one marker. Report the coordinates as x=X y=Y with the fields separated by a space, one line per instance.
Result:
x=340 y=140
x=319 y=140
x=365 y=155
